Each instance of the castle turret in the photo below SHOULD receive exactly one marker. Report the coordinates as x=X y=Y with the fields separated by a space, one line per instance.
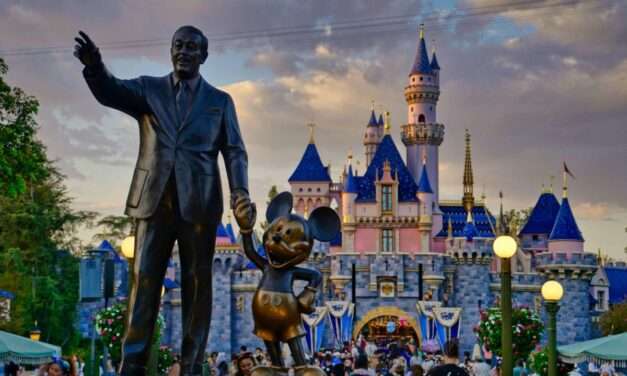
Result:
x=535 y=233
x=425 y=200
x=349 y=194
x=310 y=181
x=565 y=235
x=422 y=134
x=372 y=137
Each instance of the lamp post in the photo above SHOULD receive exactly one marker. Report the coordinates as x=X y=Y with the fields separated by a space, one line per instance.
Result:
x=505 y=247
x=552 y=292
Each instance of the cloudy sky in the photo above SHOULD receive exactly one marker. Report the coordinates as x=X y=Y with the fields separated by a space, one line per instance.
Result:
x=535 y=82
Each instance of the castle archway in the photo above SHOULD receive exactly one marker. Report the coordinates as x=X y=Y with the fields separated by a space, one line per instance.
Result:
x=375 y=325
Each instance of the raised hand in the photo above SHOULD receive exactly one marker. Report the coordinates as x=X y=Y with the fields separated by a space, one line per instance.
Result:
x=245 y=212
x=86 y=51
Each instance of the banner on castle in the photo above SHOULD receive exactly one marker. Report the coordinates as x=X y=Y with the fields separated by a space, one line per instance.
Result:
x=341 y=315
x=314 y=328
x=426 y=318
x=447 y=323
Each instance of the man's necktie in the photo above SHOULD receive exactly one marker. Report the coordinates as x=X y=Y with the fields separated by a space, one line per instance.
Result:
x=182 y=101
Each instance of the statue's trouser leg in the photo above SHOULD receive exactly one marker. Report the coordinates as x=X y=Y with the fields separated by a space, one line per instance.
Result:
x=274 y=350
x=298 y=351
x=196 y=247
x=154 y=241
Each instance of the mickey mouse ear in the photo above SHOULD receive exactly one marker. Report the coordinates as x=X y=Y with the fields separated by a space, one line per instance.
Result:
x=280 y=206
x=324 y=223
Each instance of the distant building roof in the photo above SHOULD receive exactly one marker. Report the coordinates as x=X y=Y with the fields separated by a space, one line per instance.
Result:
x=565 y=227
x=381 y=122
x=421 y=62
x=470 y=231
x=543 y=215
x=618 y=284
x=387 y=151
x=482 y=219
x=7 y=294
x=310 y=167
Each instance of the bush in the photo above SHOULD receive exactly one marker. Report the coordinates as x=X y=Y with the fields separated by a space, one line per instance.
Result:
x=539 y=363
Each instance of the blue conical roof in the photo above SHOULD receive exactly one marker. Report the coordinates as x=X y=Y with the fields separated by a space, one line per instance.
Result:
x=310 y=167
x=350 y=186
x=221 y=232
x=565 y=227
x=421 y=63
x=387 y=151
x=373 y=120
x=434 y=62
x=542 y=217
x=423 y=184
x=381 y=122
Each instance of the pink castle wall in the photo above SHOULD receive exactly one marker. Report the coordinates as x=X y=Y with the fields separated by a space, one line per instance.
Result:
x=409 y=240
x=565 y=246
x=366 y=240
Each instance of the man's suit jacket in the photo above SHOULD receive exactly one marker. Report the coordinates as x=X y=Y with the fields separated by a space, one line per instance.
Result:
x=189 y=149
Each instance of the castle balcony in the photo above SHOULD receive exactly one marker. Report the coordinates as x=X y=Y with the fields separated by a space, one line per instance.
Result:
x=422 y=93
x=422 y=133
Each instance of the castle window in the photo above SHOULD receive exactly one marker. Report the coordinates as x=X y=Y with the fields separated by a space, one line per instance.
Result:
x=386 y=198
x=421 y=118
x=411 y=108
x=429 y=78
x=387 y=240
x=317 y=189
x=413 y=79
x=308 y=189
x=535 y=238
x=600 y=300
x=420 y=78
x=300 y=189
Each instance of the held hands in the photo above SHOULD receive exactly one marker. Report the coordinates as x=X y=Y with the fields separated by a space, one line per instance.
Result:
x=306 y=300
x=245 y=212
x=86 y=51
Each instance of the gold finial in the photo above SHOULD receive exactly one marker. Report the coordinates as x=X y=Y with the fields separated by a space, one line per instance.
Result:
x=565 y=186
x=468 y=199
x=228 y=218
x=424 y=156
x=311 y=132
x=552 y=178
x=432 y=46
x=450 y=227
x=422 y=31
x=387 y=122
x=350 y=154
x=372 y=104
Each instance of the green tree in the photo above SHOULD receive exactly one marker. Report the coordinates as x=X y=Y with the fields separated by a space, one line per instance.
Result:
x=38 y=261
x=114 y=229
x=514 y=219
x=614 y=321
x=272 y=193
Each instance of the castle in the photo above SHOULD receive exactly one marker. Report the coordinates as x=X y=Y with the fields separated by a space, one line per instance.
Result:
x=401 y=243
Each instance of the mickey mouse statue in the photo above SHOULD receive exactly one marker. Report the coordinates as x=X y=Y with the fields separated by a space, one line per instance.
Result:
x=288 y=240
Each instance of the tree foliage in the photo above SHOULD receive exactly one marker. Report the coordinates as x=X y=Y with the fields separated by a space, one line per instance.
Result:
x=114 y=229
x=614 y=321
x=38 y=260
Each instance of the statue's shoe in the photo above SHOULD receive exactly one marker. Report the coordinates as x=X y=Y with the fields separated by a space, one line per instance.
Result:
x=268 y=371
x=308 y=371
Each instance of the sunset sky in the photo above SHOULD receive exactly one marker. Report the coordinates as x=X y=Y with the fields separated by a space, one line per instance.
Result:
x=535 y=82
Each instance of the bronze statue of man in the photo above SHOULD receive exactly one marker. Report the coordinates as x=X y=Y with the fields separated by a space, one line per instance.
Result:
x=175 y=194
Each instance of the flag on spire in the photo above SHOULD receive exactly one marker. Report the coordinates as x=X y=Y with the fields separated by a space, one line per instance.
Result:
x=566 y=170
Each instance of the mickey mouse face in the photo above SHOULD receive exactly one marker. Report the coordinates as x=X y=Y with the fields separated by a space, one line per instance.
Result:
x=289 y=238
x=286 y=242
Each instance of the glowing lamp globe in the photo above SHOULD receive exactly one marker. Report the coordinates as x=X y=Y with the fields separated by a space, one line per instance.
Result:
x=505 y=246
x=128 y=247
x=552 y=291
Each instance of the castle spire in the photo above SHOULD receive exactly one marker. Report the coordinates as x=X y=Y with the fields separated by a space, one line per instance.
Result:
x=468 y=200
x=422 y=31
x=311 y=132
